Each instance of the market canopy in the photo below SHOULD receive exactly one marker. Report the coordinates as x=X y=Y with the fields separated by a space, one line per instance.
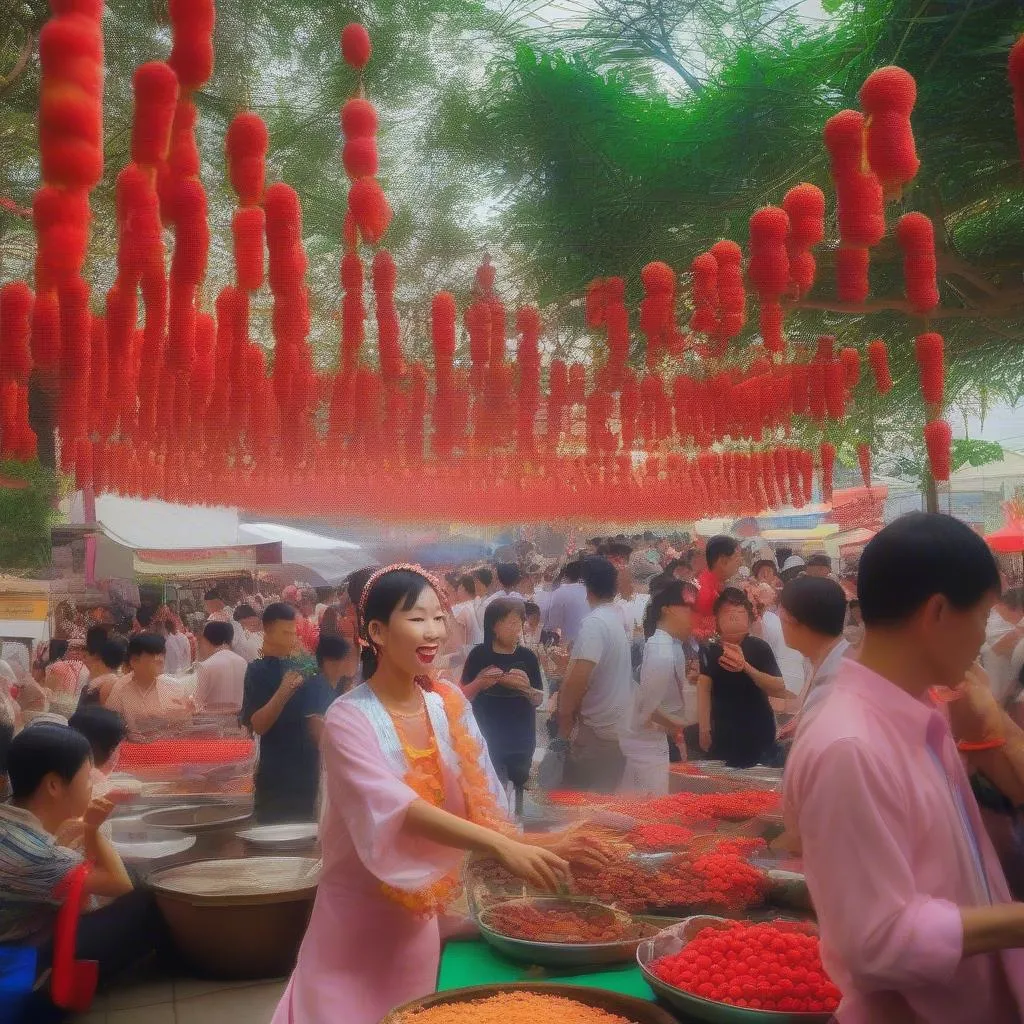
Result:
x=329 y=558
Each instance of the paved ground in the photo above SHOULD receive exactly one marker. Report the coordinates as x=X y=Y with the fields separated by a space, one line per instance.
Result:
x=186 y=1001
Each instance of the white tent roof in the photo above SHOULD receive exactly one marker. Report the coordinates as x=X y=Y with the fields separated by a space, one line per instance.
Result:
x=330 y=558
x=992 y=474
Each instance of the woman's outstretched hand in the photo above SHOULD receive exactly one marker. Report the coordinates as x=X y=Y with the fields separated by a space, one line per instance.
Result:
x=541 y=868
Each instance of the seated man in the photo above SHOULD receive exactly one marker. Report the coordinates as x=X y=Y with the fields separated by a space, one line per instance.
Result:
x=221 y=672
x=103 y=667
x=50 y=772
x=105 y=731
x=144 y=698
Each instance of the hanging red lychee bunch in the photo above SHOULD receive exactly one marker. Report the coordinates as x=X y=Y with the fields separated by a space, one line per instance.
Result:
x=805 y=206
x=938 y=438
x=366 y=200
x=769 y=270
x=916 y=237
x=850 y=359
x=15 y=328
x=704 y=289
x=852 y=280
x=657 y=310
x=606 y=307
x=878 y=357
x=928 y=350
x=385 y=277
x=828 y=463
x=887 y=97
x=732 y=297
x=528 y=325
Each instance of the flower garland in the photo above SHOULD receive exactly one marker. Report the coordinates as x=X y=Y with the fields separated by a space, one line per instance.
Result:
x=481 y=806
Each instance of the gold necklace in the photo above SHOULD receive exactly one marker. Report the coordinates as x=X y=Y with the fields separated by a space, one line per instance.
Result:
x=406 y=714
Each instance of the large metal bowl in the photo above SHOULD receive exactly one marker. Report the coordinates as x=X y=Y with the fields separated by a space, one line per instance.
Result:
x=558 y=954
x=675 y=938
x=638 y=1011
x=199 y=818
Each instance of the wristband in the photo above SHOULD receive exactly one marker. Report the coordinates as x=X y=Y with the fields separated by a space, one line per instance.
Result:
x=966 y=747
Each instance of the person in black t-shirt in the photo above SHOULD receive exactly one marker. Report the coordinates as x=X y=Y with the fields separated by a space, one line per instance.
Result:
x=502 y=679
x=738 y=673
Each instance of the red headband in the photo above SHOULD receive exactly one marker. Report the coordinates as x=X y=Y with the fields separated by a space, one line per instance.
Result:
x=401 y=567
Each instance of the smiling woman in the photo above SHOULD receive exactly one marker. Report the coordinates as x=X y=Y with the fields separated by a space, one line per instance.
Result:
x=410 y=790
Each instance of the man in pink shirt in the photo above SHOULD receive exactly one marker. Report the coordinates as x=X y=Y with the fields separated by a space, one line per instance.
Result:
x=917 y=923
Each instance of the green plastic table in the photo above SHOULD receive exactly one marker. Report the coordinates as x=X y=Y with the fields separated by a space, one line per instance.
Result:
x=473 y=962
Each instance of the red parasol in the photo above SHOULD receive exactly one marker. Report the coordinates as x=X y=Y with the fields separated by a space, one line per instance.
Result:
x=1008 y=540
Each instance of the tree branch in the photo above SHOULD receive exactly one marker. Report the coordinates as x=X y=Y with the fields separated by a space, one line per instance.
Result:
x=8 y=80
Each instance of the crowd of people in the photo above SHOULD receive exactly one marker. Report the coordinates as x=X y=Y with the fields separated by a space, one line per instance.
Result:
x=411 y=715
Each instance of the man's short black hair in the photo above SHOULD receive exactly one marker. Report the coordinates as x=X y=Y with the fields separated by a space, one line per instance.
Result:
x=333 y=646
x=735 y=597
x=531 y=609
x=819 y=558
x=213 y=594
x=218 y=633
x=509 y=574
x=917 y=556
x=485 y=576
x=40 y=749
x=146 y=643
x=573 y=571
x=102 y=727
x=278 y=612
x=466 y=583
x=113 y=653
x=600 y=577
x=620 y=549
x=817 y=603
x=244 y=611
x=718 y=547
x=95 y=638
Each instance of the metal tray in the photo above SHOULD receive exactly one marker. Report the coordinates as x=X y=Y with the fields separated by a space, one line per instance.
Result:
x=199 y=818
x=558 y=954
x=281 y=836
x=672 y=940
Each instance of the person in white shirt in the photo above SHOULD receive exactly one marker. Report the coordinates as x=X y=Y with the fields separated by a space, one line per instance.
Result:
x=247 y=641
x=665 y=702
x=509 y=578
x=792 y=664
x=569 y=604
x=467 y=625
x=179 y=651
x=1004 y=633
x=485 y=586
x=221 y=672
x=595 y=697
x=813 y=614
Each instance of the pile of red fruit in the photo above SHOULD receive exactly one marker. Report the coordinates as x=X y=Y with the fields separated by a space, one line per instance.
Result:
x=759 y=966
x=724 y=881
x=659 y=837
x=573 y=798
x=539 y=923
x=743 y=846
x=690 y=808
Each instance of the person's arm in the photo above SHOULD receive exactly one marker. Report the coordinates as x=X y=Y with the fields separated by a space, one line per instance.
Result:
x=704 y=711
x=854 y=828
x=108 y=876
x=570 y=696
x=764 y=671
x=774 y=686
x=263 y=719
x=535 y=864
x=1008 y=641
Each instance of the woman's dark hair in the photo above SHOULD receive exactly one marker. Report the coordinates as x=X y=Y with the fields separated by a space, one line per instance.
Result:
x=144 y=617
x=146 y=643
x=531 y=609
x=764 y=563
x=277 y=612
x=171 y=626
x=733 y=596
x=509 y=574
x=600 y=577
x=466 y=583
x=357 y=581
x=917 y=556
x=398 y=589
x=675 y=593
x=113 y=653
x=213 y=594
x=485 y=576
x=95 y=638
x=56 y=650
x=718 y=547
x=332 y=646
x=817 y=603
x=500 y=608
x=103 y=728
x=330 y=621
x=41 y=749
x=218 y=633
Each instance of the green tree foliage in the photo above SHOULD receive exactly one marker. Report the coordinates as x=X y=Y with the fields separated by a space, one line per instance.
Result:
x=604 y=168
x=28 y=497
